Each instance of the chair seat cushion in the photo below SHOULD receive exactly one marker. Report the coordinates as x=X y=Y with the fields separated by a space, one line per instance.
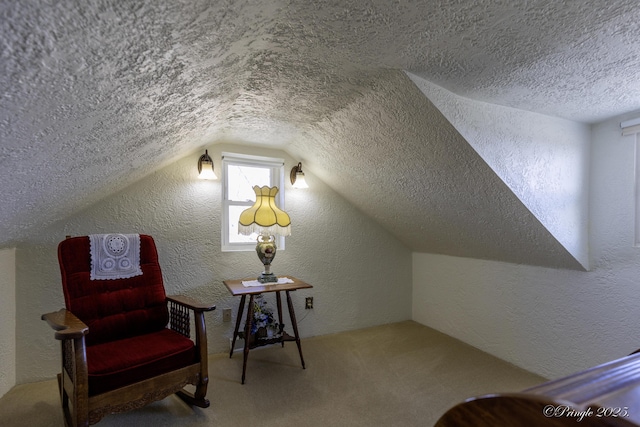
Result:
x=118 y=363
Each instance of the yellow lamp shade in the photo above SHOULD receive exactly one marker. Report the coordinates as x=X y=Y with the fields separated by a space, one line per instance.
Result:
x=264 y=217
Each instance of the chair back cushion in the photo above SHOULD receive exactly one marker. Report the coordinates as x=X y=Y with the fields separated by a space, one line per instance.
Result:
x=113 y=309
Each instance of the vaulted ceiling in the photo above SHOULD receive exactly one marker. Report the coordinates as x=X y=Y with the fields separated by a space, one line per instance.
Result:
x=97 y=94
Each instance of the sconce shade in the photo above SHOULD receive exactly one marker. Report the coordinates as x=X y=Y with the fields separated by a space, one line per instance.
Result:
x=205 y=167
x=264 y=217
x=297 y=177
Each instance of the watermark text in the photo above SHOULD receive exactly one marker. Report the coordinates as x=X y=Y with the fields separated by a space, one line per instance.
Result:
x=565 y=411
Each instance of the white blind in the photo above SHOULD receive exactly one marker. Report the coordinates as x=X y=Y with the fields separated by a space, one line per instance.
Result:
x=630 y=127
x=630 y=130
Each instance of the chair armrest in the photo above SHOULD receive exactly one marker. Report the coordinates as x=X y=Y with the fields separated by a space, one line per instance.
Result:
x=67 y=325
x=191 y=303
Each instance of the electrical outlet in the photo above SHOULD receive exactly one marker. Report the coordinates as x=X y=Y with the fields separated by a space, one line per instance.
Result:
x=226 y=315
x=308 y=303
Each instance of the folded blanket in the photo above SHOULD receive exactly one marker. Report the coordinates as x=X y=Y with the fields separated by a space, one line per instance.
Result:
x=115 y=256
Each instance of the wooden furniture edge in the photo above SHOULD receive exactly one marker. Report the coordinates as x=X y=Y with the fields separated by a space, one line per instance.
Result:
x=190 y=303
x=66 y=324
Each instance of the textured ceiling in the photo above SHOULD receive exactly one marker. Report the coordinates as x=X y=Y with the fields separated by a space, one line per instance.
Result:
x=99 y=93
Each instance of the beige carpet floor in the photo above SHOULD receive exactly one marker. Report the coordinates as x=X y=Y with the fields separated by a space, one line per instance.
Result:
x=401 y=374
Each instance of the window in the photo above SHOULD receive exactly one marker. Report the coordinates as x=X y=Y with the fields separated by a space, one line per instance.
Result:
x=240 y=173
x=632 y=127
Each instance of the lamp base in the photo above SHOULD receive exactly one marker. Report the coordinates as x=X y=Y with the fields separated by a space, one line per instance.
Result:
x=267 y=278
x=266 y=250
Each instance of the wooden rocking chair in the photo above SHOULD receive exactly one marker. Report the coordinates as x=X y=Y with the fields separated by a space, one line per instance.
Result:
x=124 y=342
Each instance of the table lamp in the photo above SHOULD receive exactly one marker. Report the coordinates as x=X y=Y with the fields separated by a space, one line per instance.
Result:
x=267 y=220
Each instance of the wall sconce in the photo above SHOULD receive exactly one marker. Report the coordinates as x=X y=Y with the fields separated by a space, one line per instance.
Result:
x=205 y=167
x=297 y=177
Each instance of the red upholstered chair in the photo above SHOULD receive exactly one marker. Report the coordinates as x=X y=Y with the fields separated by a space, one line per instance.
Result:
x=124 y=342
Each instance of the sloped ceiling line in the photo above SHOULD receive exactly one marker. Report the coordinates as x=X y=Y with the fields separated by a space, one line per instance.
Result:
x=542 y=159
x=412 y=171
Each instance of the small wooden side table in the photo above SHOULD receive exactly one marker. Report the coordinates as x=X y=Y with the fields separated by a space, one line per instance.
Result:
x=238 y=289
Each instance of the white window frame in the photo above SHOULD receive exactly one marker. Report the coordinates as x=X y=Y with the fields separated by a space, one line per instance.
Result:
x=632 y=127
x=276 y=167
x=636 y=240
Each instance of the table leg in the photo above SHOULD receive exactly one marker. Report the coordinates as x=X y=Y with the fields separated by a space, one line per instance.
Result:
x=294 y=325
x=279 y=301
x=247 y=334
x=239 y=318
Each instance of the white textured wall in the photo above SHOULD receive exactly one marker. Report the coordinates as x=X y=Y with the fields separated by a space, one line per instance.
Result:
x=552 y=322
x=7 y=320
x=544 y=160
x=360 y=273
